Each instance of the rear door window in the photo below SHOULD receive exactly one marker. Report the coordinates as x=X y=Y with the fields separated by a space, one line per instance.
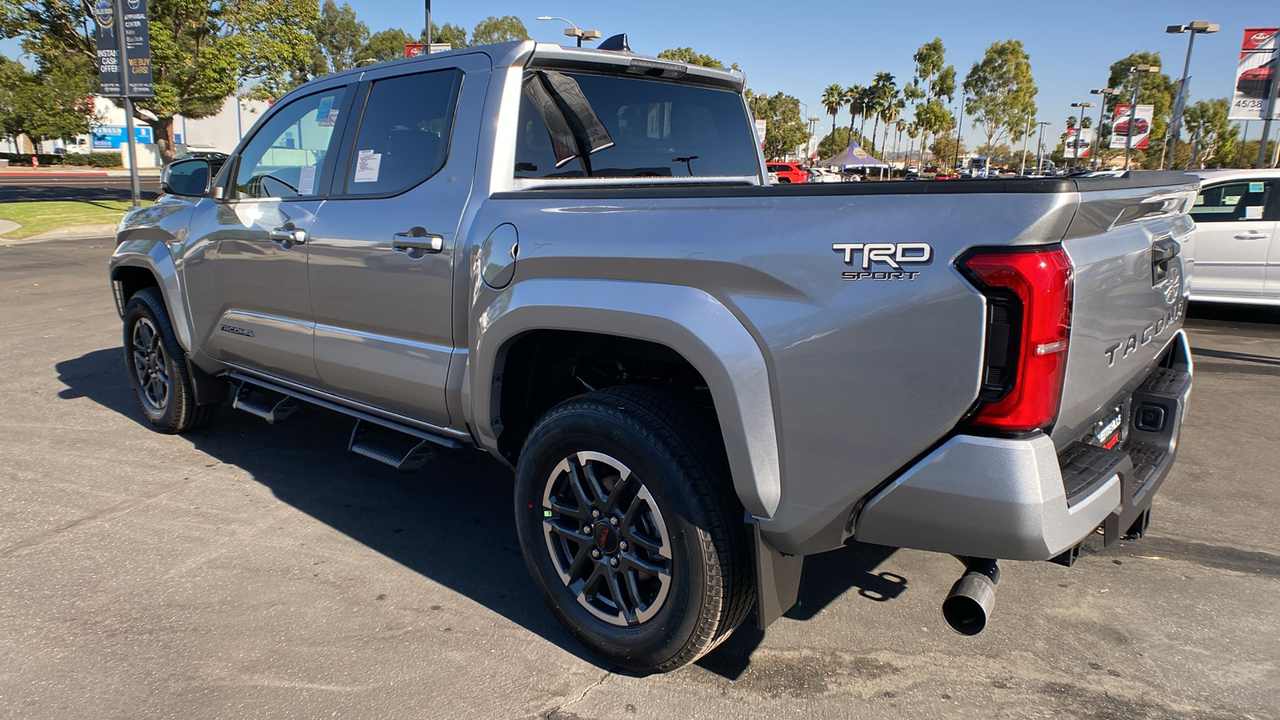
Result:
x=630 y=127
x=1243 y=200
x=404 y=132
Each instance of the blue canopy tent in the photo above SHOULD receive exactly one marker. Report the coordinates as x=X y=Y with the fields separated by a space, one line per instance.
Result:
x=854 y=157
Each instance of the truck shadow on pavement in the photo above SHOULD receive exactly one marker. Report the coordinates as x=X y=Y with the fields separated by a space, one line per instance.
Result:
x=450 y=522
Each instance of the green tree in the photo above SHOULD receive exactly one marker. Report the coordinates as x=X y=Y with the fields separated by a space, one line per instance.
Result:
x=340 y=36
x=1214 y=138
x=385 y=45
x=881 y=95
x=1001 y=92
x=202 y=51
x=1155 y=89
x=946 y=148
x=855 y=98
x=498 y=29
x=939 y=86
x=687 y=55
x=51 y=103
x=785 y=129
x=834 y=143
x=455 y=35
x=833 y=100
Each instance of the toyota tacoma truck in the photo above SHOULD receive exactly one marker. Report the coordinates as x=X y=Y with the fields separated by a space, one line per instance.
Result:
x=572 y=259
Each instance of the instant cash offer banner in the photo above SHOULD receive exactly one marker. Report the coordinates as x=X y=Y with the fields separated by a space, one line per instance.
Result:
x=1254 y=75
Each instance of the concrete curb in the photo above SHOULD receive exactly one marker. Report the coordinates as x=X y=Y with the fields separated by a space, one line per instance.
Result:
x=67 y=233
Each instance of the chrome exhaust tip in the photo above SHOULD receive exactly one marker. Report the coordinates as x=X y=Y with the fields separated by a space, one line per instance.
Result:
x=972 y=598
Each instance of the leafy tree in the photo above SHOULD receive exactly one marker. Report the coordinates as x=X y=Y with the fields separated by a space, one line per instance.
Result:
x=785 y=129
x=834 y=143
x=855 y=98
x=1212 y=135
x=939 y=87
x=498 y=29
x=50 y=103
x=202 y=51
x=1001 y=91
x=946 y=148
x=340 y=36
x=1155 y=89
x=385 y=45
x=687 y=55
x=452 y=34
x=833 y=100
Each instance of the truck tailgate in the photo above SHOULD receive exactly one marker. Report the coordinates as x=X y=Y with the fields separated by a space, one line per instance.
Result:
x=1130 y=285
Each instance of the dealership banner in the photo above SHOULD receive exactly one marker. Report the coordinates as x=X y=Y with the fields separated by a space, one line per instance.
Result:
x=1254 y=75
x=1078 y=148
x=1141 y=127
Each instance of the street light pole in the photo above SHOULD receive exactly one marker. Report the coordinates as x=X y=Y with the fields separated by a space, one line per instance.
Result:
x=1080 y=128
x=1097 y=136
x=1199 y=26
x=1136 y=73
x=1040 y=145
x=959 y=129
x=573 y=30
x=1026 y=136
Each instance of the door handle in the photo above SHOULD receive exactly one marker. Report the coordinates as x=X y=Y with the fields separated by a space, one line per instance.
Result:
x=417 y=242
x=1252 y=235
x=288 y=236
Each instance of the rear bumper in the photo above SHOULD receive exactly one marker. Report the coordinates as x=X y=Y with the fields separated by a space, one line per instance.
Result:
x=1020 y=499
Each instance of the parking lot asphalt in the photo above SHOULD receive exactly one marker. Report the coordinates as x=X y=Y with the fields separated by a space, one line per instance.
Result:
x=258 y=571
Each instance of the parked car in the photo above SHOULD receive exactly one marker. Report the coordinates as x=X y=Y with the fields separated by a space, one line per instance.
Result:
x=1237 y=214
x=822 y=175
x=1140 y=127
x=790 y=172
x=1256 y=82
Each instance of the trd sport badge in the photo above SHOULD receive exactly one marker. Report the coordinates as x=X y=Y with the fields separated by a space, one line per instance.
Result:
x=895 y=255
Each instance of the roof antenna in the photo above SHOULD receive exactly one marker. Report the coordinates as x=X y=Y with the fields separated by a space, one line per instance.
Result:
x=616 y=43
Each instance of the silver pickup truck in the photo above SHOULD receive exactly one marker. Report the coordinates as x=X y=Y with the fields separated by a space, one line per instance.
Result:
x=572 y=260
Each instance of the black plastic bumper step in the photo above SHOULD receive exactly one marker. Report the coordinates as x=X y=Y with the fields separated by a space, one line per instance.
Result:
x=269 y=405
x=403 y=452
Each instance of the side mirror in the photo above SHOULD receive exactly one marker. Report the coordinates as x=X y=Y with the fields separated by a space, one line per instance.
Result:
x=189 y=177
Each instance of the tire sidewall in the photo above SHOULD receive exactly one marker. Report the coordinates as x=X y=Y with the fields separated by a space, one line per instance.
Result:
x=655 y=641
x=141 y=306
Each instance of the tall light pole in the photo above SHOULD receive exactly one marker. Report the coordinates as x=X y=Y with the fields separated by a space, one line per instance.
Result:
x=959 y=129
x=573 y=30
x=1136 y=72
x=1097 y=136
x=1197 y=27
x=1040 y=145
x=1022 y=166
x=1080 y=128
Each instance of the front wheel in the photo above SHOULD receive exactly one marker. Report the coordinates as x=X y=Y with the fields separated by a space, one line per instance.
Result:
x=630 y=529
x=156 y=366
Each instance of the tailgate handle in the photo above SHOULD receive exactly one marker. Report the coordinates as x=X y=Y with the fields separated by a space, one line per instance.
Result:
x=1162 y=251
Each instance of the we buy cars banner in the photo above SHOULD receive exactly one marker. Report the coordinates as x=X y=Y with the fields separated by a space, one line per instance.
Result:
x=1141 y=128
x=1254 y=75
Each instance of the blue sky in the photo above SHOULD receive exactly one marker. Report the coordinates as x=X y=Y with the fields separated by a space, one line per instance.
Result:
x=803 y=47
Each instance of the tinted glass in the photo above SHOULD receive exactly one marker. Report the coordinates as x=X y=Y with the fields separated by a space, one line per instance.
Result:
x=188 y=177
x=286 y=156
x=1245 y=200
x=657 y=129
x=404 y=132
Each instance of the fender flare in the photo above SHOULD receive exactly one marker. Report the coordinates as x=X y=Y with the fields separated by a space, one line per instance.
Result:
x=148 y=248
x=687 y=320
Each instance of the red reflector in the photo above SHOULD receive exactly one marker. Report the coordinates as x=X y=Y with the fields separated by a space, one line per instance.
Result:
x=1112 y=442
x=1041 y=280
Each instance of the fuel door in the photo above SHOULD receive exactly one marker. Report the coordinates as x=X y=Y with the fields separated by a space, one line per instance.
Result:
x=498 y=255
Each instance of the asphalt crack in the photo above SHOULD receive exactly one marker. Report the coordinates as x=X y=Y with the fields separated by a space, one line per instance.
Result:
x=559 y=713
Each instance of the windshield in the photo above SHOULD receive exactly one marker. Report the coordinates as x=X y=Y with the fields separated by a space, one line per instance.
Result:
x=575 y=125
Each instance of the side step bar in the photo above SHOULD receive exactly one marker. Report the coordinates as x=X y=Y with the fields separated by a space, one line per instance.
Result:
x=400 y=446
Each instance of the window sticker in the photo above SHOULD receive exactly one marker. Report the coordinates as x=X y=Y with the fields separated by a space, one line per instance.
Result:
x=326 y=104
x=1253 y=212
x=1255 y=187
x=307 y=180
x=330 y=120
x=367 y=164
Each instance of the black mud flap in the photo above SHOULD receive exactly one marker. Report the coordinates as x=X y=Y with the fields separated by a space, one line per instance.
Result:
x=777 y=578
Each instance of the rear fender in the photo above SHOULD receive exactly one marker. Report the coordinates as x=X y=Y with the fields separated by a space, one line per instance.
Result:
x=687 y=320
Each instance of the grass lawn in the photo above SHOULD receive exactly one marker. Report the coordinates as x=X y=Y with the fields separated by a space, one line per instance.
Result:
x=37 y=217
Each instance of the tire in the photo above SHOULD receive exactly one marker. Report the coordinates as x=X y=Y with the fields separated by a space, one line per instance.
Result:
x=682 y=580
x=157 y=366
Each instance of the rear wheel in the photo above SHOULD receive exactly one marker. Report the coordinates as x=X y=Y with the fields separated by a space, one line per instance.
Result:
x=630 y=530
x=156 y=366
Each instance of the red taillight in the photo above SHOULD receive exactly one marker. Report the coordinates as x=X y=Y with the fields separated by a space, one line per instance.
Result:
x=1038 y=286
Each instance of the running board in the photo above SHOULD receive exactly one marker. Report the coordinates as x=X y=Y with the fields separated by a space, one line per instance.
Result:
x=403 y=452
x=269 y=405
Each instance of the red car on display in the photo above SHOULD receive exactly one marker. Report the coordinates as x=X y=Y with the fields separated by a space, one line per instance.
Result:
x=790 y=172
x=1257 y=81
x=1140 y=127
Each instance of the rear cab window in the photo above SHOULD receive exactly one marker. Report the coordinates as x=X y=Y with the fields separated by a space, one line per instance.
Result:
x=578 y=125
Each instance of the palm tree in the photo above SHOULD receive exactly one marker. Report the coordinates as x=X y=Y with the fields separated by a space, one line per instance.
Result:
x=898 y=127
x=881 y=92
x=833 y=99
x=890 y=112
x=855 y=97
x=913 y=132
